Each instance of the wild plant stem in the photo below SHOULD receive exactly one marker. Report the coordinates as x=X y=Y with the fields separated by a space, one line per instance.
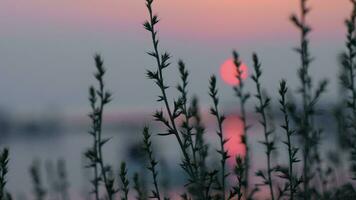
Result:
x=4 y=161
x=158 y=76
x=291 y=182
x=95 y=154
x=138 y=187
x=305 y=79
x=350 y=65
x=124 y=181
x=213 y=92
x=104 y=98
x=285 y=126
x=348 y=80
x=243 y=97
x=101 y=159
x=222 y=149
x=152 y=162
x=261 y=109
x=94 y=163
x=38 y=189
x=186 y=111
x=63 y=177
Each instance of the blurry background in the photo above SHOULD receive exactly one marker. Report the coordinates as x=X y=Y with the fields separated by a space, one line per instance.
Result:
x=46 y=65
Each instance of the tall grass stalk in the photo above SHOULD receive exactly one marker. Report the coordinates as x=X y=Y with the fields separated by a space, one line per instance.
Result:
x=57 y=179
x=348 y=62
x=92 y=154
x=348 y=81
x=187 y=114
x=243 y=98
x=38 y=189
x=99 y=98
x=63 y=183
x=162 y=63
x=214 y=110
x=305 y=89
x=147 y=145
x=124 y=181
x=261 y=109
x=239 y=171
x=205 y=176
x=4 y=161
x=305 y=122
x=293 y=182
x=139 y=188
x=184 y=138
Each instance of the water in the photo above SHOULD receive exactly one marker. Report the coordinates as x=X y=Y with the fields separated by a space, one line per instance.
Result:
x=70 y=144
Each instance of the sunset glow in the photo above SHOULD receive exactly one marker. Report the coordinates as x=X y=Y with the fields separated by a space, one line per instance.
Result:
x=216 y=19
x=228 y=72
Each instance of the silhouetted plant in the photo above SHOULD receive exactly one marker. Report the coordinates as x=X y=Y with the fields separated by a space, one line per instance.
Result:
x=348 y=82
x=205 y=175
x=243 y=98
x=182 y=105
x=38 y=189
x=147 y=145
x=214 y=110
x=52 y=180
x=98 y=98
x=124 y=181
x=261 y=107
x=157 y=76
x=63 y=183
x=194 y=146
x=57 y=179
x=348 y=63
x=305 y=121
x=288 y=173
x=4 y=161
x=303 y=72
x=346 y=191
x=200 y=145
x=184 y=138
x=240 y=173
x=138 y=187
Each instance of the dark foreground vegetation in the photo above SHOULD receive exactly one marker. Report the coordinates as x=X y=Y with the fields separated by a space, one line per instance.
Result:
x=307 y=174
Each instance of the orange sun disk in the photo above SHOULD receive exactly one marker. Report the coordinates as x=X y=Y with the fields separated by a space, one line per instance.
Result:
x=233 y=128
x=228 y=72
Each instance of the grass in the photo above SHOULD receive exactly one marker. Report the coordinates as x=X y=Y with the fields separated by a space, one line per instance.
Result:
x=214 y=110
x=152 y=163
x=243 y=98
x=348 y=82
x=261 y=109
x=305 y=175
x=288 y=173
x=4 y=161
x=38 y=188
x=98 y=98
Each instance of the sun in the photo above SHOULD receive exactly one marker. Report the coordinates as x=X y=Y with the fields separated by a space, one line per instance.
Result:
x=228 y=72
x=233 y=128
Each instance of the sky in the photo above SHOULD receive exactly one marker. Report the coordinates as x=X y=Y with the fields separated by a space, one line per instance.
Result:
x=47 y=47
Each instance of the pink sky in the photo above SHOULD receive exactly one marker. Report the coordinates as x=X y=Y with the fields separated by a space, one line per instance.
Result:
x=202 y=19
x=59 y=36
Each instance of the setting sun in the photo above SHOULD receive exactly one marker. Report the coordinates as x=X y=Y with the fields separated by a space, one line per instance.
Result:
x=228 y=72
x=233 y=127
